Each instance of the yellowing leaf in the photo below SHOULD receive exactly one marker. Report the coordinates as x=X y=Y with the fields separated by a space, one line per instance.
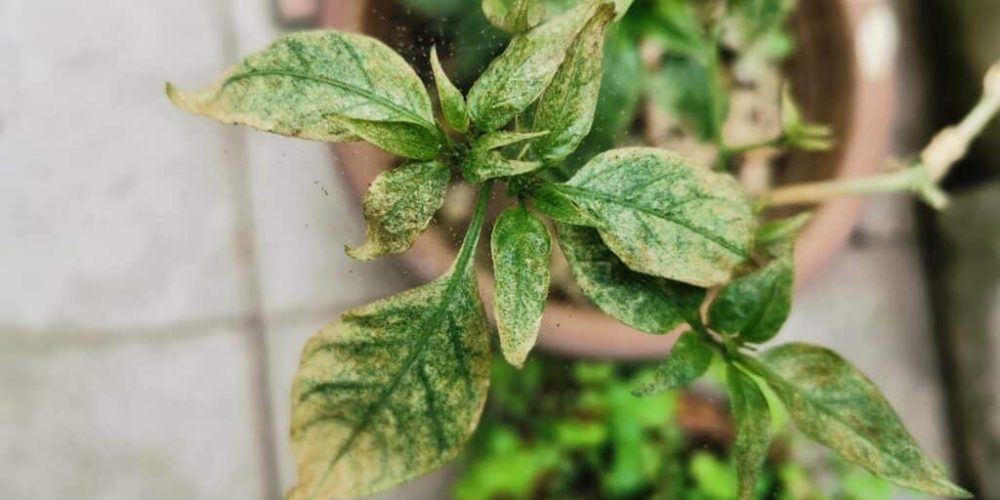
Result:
x=518 y=77
x=664 y=217
x=521 y=250
x=755 y=306
x=393 y=389
x=833 y=403
x=647 y=303
x=689 y=359
x=753 y=428
x=499 y=139
x=399 y=206
x=514 y=16
x=567 y=106
x=328 y=86
x=456 y=113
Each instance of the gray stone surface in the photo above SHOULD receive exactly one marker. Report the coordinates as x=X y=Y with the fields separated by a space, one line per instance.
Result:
x=162 y=417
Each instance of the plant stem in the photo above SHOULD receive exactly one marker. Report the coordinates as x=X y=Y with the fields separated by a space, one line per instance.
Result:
x=936 y=161
x=774 y=142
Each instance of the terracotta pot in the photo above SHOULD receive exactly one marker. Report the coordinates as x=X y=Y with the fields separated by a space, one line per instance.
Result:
x=835 y=82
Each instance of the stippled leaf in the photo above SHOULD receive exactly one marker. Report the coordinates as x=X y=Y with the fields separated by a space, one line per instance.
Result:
x=393 y=389
x=646 y=303
x=328 y=86
x=483 y=165
x=453 y=106
x=398 y=207
x=521 y=249
x=495 y=140
x=689 y=359
x=518 y=77
x=755 y=306
x=664 y=217
x=514 y=16
x=833 y=403
x=567 y=106
x=753 y=428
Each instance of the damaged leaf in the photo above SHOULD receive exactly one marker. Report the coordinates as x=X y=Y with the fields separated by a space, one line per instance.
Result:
x=453 y=106
x=514 y=16
x=753 y=428
x=755 y=306
x=688 y=360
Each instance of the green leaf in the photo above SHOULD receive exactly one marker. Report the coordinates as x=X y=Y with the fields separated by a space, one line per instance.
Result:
x=664 y=217
x=483 y=165
x=755 y=306
x=778 y=236
x=393 y=389
x=567 y=106
x=437 y=8
x=646 y=303
x=836 y=405
x=521 y=249
x=689 y=359
x=327 y=86
x=518 y=77
x=456 y=113
x=399 y=206
x=496 y=140
x=560 y=206
x=753 y=428
x=514 y=16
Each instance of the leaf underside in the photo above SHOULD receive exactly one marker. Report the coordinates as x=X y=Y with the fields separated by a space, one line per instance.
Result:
x=399 y=206
x=664 y=217
x=391 y=390
x=646 y=303
x=327 y=86
x=836 y=405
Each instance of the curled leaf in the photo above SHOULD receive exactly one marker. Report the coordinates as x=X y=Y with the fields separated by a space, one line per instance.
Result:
x=456 y=113
x=646 y=303
x=521 y=249
x=567 y=106
x=484 y=165
x=518 y=77
x=664 y=217
x=399 y=206
x=833 y=403
x=755 y=306
x=328 y=86
x=689 y=359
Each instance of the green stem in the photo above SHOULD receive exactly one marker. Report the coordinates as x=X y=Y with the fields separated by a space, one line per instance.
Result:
x=913 y=179
x=475 y=227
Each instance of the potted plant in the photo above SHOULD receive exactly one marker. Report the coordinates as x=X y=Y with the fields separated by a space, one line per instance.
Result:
x=825 y=70
x=393 y=389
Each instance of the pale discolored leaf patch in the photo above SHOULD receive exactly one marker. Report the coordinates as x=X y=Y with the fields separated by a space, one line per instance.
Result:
x=688 y=360
x=646 y=303
x=567 y=106
x=514 y=16
x=393 y=389
x=664 y=217
x=755 y=306
x=327 y=86
x=833 y=403
x=503 y=138
x=753 y=428
x=521 y=249
x=399 y=206
x=453 y=106
x=518 y=77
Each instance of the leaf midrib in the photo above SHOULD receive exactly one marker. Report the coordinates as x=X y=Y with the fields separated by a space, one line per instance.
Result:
x=673 y=219
x=368 y=94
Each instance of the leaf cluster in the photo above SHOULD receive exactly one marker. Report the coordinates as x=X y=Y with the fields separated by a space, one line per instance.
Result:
x=393 y=389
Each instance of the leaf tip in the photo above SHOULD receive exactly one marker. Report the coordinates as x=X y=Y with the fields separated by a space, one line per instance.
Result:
x=363 y=252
